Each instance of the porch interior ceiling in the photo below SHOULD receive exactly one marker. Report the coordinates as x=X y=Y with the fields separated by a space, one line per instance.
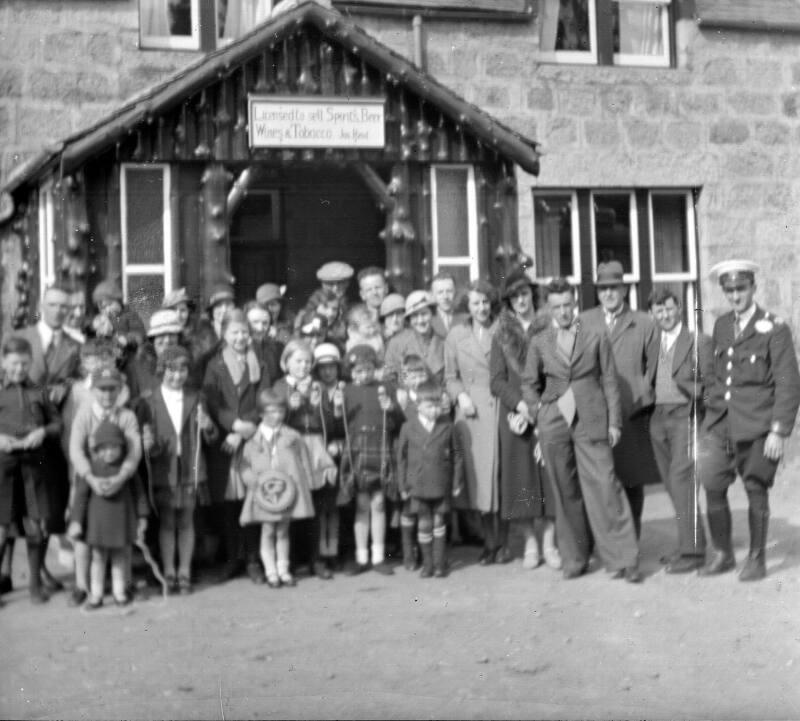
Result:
x=145 y=111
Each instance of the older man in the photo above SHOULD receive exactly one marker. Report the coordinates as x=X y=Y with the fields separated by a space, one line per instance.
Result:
x=634 y=342
x=571 y=389
x=753 y=399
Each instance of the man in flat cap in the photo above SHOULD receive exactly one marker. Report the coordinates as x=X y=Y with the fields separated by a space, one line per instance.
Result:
x=634 y=342
x=754 y=394
x=334 y=278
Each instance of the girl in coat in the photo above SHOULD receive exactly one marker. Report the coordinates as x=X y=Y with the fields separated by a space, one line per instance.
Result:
x=174 y=426
x=232 y=382
x=276 y=468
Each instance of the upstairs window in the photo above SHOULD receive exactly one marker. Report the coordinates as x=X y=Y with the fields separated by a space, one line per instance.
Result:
x=606 y=32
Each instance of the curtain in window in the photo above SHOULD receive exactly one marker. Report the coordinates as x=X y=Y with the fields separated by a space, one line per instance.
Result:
x=640 y=28
x=564 y=25
x=553 y=237
x=670 y=246
x=154 y=18
x=241 y=16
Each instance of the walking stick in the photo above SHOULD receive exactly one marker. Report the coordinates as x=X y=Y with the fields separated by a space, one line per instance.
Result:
x=197 y=442
x=693 y=422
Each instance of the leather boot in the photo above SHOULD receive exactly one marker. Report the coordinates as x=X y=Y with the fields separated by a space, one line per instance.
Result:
x=38 y=594
x=409 y=556
x=426 y=550
x=722 y=558
x=755 y=567
x=439 y=556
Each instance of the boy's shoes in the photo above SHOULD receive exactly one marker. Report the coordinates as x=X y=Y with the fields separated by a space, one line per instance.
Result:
x=5 y=584
x=255 y=573
x=126 y=600
x=91 y=605
x=383 y=568
x=184 y=585
x=39 y=596
x=321 y=570
x=355 y=569
x=77 y=597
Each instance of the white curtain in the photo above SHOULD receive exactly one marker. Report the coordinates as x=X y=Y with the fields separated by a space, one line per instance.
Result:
x=154 y=18
x=241 y=16
x=640 y=28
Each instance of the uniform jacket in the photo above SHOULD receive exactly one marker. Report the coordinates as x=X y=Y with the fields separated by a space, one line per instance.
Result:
x=755 y=380
x=65 y=365
x=591 y=373
x=684 y=368
x=226 y=401
x=408 y=342
x=635 y=343
x=429 y=465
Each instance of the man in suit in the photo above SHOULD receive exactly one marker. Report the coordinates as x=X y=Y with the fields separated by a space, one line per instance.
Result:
x=753 y=399
x=673 y=425
x=55 y=364
x=372 y=289
x=571 y=389
x=443 y=290
x=634 y=342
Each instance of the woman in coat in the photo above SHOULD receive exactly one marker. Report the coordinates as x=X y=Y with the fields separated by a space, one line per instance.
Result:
x=466 y=368
x=525 y=494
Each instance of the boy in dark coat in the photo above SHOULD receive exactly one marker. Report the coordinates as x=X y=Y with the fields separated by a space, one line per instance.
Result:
x=429 y=472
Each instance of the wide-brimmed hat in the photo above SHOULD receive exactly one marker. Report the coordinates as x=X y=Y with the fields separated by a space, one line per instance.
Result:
x=106 y=290
x=514 y=281
x=164 y=322
x=269 y=292
x=219 y=293
x=106 y=378
x=729 y=271
x=175 y=297
x=334 y=272
x=392 y=303
x=610 y=273
x=418 y=300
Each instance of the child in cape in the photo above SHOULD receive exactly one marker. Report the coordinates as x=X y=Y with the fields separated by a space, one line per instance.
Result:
x=429 y=472
x=105 y=450
x=371 y=420
x=174 y=427
x=276 y=469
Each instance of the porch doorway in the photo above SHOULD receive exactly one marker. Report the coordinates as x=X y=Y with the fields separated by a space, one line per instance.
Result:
x=294 y=221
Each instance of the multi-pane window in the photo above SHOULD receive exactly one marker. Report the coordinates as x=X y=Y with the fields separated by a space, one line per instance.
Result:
x=47 y=234
x=650 y=232
x=455 y=222
x=606 y=32
x=147 y=257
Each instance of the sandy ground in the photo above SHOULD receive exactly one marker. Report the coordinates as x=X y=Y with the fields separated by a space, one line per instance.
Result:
x=497 y=642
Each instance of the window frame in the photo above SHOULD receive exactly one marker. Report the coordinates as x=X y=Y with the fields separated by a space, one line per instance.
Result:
x=471 y=261
x=660 y=61
x=47 y=250
x=575 y=57
x=166 y=268
x=176 y=42
x=573 y=278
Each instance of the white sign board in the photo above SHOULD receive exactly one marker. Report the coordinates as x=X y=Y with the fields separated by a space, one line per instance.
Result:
x=292 y=122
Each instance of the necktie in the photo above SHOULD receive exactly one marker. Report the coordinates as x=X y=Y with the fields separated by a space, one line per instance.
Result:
x=50 y=353
x=737 y=327
x=611 y=320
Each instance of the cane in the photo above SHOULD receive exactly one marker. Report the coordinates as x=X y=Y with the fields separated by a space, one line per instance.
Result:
x=693 y=422
x=197 y=442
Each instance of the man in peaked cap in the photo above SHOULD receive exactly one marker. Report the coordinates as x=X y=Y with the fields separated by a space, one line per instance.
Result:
x=754 y=394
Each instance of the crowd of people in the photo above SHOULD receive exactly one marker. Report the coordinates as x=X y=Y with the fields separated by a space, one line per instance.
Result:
x=349 y=435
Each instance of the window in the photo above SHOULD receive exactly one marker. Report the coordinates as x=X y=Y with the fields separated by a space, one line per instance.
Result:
x=606 y=32
x=47 y=233
x=238 y=17
x=169 y=24
x=455 y=221
x=147 y=253
x=651 y=232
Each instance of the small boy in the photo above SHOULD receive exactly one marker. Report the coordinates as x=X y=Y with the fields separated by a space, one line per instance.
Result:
x=429 y=473
x=27 y=417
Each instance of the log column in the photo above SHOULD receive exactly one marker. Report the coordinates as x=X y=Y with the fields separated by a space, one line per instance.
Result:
x=215 y=184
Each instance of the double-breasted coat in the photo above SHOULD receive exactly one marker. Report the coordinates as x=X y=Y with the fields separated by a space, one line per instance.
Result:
x=635 y=343
x=466 y=358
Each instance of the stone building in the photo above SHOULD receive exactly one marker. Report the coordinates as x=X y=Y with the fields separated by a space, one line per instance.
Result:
x=668 y=134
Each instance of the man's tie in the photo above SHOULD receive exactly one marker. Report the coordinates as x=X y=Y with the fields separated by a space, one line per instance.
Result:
x=737 y=326
x=52 y=348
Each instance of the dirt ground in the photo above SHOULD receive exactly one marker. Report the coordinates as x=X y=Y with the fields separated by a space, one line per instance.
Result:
x=495 y=642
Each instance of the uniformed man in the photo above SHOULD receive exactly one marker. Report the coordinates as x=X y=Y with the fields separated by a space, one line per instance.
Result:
x=753 y=400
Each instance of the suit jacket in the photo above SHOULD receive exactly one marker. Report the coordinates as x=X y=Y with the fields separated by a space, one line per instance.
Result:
x=407 y=342
x=438 y=324
x=590 y=372
x=685 y=371
x=429 y=464
x=635 y=343
x=226 y=401
x=64 y=366
x=754 y=379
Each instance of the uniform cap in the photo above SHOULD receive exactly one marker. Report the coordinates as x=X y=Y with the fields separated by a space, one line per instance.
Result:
x=610 y=273
x=269 y=292
x=106 y=290
x=360 y=354
x=106 y=378
x=392 y=303
x=164 y=322
x=334 y=271
x=730 y=270
x=327 y=353
x=175 y=297
x=418 y=300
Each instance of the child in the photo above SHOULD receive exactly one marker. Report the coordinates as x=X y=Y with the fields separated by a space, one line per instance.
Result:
x=306 y=414
x=429 y=470
x=105 y=450
x=370 y=422
x=363 y=329
x=276 y=468
x=174 y=425
x=27 y=417
x=95 y=354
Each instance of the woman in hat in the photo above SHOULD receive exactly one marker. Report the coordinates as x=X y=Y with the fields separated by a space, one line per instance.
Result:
x=466 y=360
x=196 y=339
x=525 y=495
x=163 y=331
x=392 y=315
x=271 y=296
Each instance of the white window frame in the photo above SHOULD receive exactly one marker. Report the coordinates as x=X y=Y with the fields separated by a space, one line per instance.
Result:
x=659 y=61
x=576 y=57
x=573 y=278
x=172 y=42
x=471 y=261
x=222 y=41
x=164 y=269
x=47 y=249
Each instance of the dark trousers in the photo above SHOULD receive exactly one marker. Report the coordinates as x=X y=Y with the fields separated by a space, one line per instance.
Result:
x=672 y=439
x=589 y=499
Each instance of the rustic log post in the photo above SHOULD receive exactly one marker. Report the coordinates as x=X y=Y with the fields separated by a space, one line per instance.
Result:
x=223 y=121
x=508 y=252
x=113 y=269
x=214 y=225
x=399 y=234
x=241 y=148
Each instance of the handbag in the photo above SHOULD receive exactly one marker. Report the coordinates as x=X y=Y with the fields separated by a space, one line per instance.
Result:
x=269 y=498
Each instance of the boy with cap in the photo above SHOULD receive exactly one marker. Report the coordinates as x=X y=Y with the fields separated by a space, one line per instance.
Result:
x=754 y=394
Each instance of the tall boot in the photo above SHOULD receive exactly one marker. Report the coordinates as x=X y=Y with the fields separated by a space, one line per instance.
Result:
x=722 y=559
x=38 y=594
x=426 y=550
x=439 y=556
x=755 y=568
x=407 y=538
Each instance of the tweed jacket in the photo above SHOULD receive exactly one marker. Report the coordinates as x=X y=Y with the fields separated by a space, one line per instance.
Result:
x=590 y=372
